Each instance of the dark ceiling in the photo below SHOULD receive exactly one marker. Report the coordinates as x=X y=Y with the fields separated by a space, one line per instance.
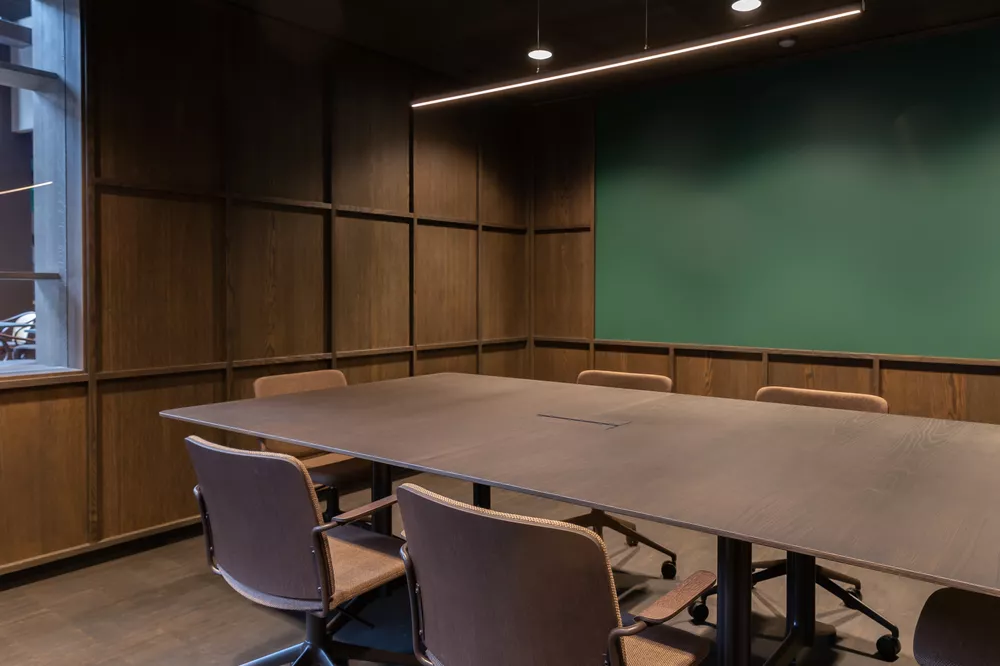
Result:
x=484 y=41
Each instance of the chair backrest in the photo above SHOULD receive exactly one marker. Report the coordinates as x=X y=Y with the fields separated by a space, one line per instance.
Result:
x=300 y=382
x=261 y=509
x=498 y=589
x=859 y=402
x=626 y=380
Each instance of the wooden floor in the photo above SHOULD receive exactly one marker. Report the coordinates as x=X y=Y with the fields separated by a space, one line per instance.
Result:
x=163 y=607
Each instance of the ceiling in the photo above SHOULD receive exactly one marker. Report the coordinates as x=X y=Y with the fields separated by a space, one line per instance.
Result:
x=483 y=41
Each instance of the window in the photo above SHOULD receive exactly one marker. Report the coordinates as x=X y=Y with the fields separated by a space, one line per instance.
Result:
x=41 y=185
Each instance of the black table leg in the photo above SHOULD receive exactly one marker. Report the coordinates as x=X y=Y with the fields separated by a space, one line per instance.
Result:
x=481 y=496
x=800 y=610
x=733 y=637
x=382 y=487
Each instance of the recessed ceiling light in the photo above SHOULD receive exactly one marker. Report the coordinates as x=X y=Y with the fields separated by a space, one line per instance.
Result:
x=787 y=42
x=539 y=54
x=746 y=5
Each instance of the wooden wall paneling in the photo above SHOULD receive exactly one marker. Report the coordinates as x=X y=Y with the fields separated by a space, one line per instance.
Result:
x=560 y=363
x=447 y=360
x=371 y=283
x=445 y=163
x=503 y=189
x=161 y=289
x=718 y=374
x=445 y=275
x=942 y=391
x=275 y=107
x=146 y=477
x=564 y=284
x=43 y=471
x=363 y=370
x=503 y=290
x=371 y=132
x=564 y=166
x=506 y=360
x=628 y=359
x=826 y=374
x=278 y=282
x=160 y=89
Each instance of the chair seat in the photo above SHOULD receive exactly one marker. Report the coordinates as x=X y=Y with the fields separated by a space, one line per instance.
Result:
x=665 y=646
x=362 y=561
x=958 y=628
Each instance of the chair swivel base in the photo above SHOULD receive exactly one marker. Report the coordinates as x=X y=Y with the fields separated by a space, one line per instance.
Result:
x=598 y=520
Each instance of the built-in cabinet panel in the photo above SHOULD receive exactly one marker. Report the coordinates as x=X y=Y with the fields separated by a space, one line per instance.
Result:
x=850 y=375
x=445 y=274
x=161 y=282
x=277 y=282
x=719 y=374
x=43 y=471
x=372 y=283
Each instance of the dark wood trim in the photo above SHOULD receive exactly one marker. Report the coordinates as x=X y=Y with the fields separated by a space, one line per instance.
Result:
x=385 y=351
x=447 y=222
x=361 y=211
x=548 y=339
x=43 y=379
x=563 y=230
x=282 y=360
x=466 y=344
x=278 y=202
x=123 y=187
x=215 y=366
x=504 y=228
x=506 y=341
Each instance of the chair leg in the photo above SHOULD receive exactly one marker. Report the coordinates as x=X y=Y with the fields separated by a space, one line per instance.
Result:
x=840 y=577
x=776 y=570
x=854 y=603
x=331 y=496
x=286 y=656
x=617 y=526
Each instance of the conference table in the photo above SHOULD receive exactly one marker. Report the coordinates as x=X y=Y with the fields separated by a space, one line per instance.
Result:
x=913 y=496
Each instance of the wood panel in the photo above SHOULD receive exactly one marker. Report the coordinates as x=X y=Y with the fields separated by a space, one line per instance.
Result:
x=560 y=364
x=375 y=368
x=161 y=291
x=849 y=375
x=941 y=391
x=445 y=274
x=146 y=477
x=371 y=126
x=278 y=283
x=445 y=163
x=503 y=283
x=372 y=284
x=564 y=285
x=157 y=73
x=447 y=360
x=43 y=471
x=503 y=185
x=276 y=116
x=564 y=166
x=507 y=360
x=621 y=359
x=722 y=375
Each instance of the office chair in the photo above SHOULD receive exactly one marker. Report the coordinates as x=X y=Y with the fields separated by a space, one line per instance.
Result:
x=888 y=645
x=957 y=628
x=264 y=535
x=328 y=470
x=598 y=520
x=495 y=589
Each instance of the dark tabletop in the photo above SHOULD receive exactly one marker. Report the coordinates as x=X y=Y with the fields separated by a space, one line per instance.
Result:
x=914 y=496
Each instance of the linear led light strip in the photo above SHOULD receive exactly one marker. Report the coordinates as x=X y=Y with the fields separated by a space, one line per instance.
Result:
x=763 y=31
x=23 y=189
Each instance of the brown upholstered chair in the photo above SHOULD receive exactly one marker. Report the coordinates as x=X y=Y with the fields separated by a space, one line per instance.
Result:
x=598 y=520
x=265 y=536
x=888 y=645
x=495 y=589
x=326 y=469
x=958 y=628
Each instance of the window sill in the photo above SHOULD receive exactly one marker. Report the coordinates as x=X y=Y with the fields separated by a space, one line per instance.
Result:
x=14 y=374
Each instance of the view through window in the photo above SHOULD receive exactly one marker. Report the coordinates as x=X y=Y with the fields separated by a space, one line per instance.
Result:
x=40 y=183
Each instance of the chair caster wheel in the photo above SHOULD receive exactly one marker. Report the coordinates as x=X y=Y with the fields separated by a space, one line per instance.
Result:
x=668 y=570
x=630 y=542
x=856 y=593
x=888 y=647
x=698 y=612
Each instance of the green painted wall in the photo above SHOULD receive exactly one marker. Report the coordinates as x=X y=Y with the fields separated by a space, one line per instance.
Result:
x=849 y=202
